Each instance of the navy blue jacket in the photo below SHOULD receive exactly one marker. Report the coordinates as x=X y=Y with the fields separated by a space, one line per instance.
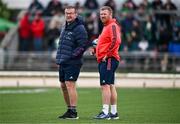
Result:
x=72 y=43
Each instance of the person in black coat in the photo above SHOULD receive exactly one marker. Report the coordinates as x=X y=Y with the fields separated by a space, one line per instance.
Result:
x=35 y=7
x=53 y=7
x=73 y=42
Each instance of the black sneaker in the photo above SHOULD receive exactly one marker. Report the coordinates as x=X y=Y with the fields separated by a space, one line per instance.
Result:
x=102 y=115
x=64 y=115
x=69 y=115
x=114 y=116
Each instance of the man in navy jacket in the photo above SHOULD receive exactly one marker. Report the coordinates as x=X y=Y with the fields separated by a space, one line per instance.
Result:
x=72 y=44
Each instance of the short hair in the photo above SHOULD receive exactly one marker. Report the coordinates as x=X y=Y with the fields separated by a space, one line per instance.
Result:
x=106 y=8
x=71 y=7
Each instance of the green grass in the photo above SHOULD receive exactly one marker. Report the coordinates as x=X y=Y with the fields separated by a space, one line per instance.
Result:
x=134 y=105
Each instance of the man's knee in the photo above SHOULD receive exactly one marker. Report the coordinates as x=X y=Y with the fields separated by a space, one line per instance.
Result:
x=63 y=87
x=104 y=87
x=70 y=84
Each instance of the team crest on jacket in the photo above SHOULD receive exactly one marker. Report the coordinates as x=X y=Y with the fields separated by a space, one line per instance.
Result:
x=70 y=33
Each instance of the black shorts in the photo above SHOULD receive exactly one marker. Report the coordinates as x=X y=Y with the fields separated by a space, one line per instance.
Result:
x=69 y=72
x=107 y=71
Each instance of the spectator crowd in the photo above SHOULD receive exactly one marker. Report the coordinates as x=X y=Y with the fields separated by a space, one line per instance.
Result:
x=148 y=26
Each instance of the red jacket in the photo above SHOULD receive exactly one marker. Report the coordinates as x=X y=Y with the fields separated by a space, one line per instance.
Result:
x=109 y=41
x=25 y=27
x=38 y=28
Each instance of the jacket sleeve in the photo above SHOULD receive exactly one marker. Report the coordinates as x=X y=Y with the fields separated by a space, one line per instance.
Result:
x=113 y=34
x=82 y=42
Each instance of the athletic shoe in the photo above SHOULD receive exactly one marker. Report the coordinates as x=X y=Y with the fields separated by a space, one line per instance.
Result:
x=102 y=115
x=69 y=115
x=114 y=116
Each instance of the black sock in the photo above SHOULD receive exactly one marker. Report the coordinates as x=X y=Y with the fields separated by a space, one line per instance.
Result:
x=72 y=108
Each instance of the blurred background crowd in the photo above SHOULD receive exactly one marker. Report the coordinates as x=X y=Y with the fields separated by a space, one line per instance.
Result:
x=150 y=25
x=147 y=26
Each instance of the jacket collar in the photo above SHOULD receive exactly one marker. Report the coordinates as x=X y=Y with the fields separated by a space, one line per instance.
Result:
x=73 y=24
x=110 y=21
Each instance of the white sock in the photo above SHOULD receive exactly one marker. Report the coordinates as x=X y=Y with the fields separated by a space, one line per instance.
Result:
x=113 y=109
x=105 y=109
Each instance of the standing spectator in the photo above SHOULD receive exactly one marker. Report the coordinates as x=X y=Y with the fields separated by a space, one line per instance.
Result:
x=144 y=9
x=91 y=4
x=129 y=5
x=108 y=59
x=54 y=29
x=38 y=27
x=127 y=24
x=72 y=44
x=157 y=5
x=174 y=45
x=146 y=5
x=80 y=8
x=164 y=38
x=24 y=33
x=149 y=30
x=34 y=7
x=112 y=4
x=168 y=6
x=92 y=25
x=53 y=7
x=136 y=31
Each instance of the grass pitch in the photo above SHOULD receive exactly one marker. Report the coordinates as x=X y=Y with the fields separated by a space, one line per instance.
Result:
x=135 y=105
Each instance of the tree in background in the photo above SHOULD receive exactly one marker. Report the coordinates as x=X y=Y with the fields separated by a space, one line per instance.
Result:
x=4 y=11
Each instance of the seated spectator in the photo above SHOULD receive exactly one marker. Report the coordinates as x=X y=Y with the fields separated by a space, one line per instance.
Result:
x=53 y=7
x=24 y=33
x=130 y=45
x=34 y=7
x=38 y=27
x=143 y=45
x=91 y=5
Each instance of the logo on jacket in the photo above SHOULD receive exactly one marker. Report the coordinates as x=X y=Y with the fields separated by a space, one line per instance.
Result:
x=69 y=33
x=68 y=38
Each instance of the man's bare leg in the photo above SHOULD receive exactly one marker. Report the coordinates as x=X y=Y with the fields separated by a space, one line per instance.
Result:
x=106 y=96
x=65 y=94
x=114 y=102
x=71 y=88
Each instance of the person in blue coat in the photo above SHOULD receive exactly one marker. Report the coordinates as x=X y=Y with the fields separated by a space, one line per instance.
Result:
x=73 y=42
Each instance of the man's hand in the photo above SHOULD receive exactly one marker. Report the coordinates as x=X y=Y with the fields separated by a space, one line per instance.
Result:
x=92 y=51
x=104 y=58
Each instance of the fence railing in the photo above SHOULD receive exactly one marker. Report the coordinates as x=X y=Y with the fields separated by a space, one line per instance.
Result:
x=136 y=61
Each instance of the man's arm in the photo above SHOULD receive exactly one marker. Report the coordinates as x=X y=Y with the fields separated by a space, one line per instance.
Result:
x=81 y=38
x=113 y=34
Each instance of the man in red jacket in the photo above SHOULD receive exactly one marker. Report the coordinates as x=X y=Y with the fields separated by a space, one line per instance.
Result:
x=108 y=59
x=38 y=27
x=24 y=33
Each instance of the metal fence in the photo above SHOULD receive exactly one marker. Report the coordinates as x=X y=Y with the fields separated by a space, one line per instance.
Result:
x=136 y=61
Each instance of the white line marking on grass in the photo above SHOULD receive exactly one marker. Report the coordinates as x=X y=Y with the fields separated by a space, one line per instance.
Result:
x=22 y=91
